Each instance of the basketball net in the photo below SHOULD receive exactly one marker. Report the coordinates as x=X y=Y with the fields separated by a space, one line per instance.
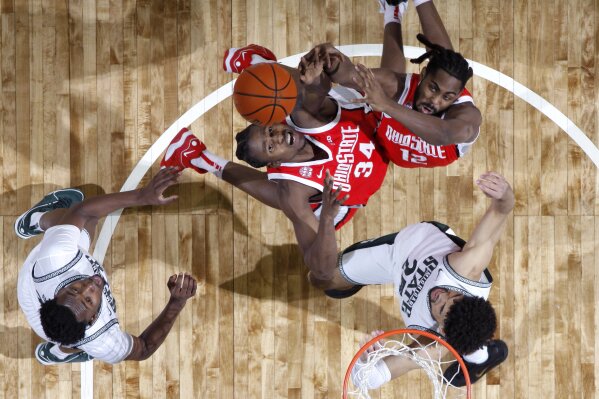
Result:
x=426 y=350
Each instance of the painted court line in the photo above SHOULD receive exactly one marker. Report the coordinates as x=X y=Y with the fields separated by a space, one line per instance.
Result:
x=354 y=50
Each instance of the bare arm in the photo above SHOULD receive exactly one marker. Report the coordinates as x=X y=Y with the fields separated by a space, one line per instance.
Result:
x=432 y=26
x=337 y=65
x=182 y=287
x=100 y=206
x=477 y=253
x=253 y=182
x=321 y=256
x=294 y=203
x=459 y=125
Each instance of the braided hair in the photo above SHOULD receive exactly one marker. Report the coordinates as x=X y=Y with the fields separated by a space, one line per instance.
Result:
x=440 y=57
x=59 y=323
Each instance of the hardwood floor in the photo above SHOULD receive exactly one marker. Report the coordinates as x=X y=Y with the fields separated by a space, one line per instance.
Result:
x=87 y=86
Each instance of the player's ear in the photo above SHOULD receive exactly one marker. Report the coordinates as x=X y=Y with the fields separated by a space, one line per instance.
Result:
x=422 y=73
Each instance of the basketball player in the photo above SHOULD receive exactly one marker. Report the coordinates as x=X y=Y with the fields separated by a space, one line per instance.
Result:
x=63 y=290
x=324 y=127
x=299 y=162
x=442 y=282
x=427 y=120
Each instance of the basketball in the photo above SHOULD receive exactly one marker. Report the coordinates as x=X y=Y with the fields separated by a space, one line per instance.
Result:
x=264 y=94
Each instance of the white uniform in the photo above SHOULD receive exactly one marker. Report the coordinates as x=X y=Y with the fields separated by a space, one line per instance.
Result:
x=415 y=260
x=59 y=259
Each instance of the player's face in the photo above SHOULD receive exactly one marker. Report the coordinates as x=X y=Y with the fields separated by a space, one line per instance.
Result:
x=436 y=92
x=83 y=297
x=441 y=300
x=275 y=144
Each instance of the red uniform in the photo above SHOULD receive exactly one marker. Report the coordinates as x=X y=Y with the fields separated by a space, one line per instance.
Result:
x=353 y=159
x=406 y=149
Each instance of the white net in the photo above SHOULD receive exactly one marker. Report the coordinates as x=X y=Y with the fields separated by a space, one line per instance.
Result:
x=428 y=354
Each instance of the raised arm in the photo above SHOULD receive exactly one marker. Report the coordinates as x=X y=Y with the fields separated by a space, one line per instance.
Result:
x=432 y=26
x=253 y=182
x=316 y=239
x=321 y=256
x=459 y=125
x=393 y=366
x=182 y=287
x=472 y=260
x=95 y=208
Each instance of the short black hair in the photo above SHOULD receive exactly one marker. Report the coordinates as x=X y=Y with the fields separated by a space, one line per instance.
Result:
x=60 y=324
x=440 y=57
x=242 y=152
x=469 y=324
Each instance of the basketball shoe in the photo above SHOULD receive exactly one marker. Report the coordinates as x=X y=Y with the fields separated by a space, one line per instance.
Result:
x=238 y=59
x=45 y=357
x=183 y=150
x=55 y=200
x=497 y=350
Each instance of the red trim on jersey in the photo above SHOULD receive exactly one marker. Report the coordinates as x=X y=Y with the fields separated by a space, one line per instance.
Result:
x=406 y=149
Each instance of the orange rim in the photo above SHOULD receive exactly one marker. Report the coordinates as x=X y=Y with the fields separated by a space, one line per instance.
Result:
x=407 y=331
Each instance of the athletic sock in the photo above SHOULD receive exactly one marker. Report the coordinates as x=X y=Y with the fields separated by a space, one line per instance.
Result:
x=478 y=357
x=394 y=14
x=418 y=2
x=211 y=163
x=34 y=219
x=258 y=59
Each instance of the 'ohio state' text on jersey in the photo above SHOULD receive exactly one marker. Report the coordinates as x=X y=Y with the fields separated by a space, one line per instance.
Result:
x=406 y=149
x=354 y=162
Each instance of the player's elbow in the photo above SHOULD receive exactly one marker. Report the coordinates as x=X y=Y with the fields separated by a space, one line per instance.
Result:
x=320 y=270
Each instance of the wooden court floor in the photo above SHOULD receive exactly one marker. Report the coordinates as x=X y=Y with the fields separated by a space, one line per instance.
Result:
x=88 y=85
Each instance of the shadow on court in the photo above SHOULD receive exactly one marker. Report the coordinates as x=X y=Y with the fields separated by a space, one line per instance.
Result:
x=14 y=338
x=282 y=276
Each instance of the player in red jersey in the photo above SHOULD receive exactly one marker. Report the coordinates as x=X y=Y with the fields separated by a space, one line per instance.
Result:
x=427 y=120
x=332 y=136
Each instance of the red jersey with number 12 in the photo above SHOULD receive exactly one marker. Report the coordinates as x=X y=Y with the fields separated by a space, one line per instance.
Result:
x=354 y=162
x=406 y=149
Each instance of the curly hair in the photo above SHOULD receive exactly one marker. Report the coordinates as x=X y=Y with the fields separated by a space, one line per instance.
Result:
x=442 y=58
x=242 y=152
x=59 y=323
x=469 y=324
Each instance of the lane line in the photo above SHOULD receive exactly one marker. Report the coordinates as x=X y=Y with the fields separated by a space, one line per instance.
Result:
x=352 y=50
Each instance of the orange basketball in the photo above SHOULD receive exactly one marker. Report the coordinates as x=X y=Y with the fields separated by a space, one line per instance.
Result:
x=264 y=94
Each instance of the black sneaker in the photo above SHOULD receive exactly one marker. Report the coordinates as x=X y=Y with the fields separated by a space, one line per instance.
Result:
x=45 y=357
x=57 y=199
x=497 y=354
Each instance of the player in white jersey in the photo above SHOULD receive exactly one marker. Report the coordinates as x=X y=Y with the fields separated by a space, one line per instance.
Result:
x=64 y=292
x=441 y=282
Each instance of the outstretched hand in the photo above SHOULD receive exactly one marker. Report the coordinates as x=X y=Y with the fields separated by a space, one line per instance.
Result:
x=152 y=193
x=326 y=53
x=495 y=186
x=371 y=348
x=374 y=94
x=331 y=197
x=182 y=286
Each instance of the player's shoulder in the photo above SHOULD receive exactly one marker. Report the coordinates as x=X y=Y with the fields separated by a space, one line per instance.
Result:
x=393 y=83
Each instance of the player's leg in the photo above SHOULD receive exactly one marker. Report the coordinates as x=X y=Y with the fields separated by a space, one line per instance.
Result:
x=393 y=57
x=47 y=212
x=432 y=26
x=187 y=151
